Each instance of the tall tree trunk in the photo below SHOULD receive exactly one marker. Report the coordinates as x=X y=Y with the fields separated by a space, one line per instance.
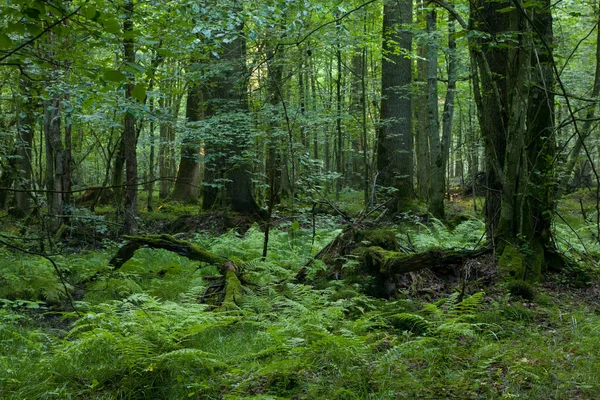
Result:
x=129 y=131
x=527 y=172
x=54 y=160
x=422 y=153
x=488 y=72
x=394 y=142
x=151 y=162
x=338 y=118
x=448 y=113
x=438 y=168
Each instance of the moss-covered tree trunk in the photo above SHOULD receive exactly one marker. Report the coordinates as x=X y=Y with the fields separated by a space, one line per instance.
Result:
x=521 y=225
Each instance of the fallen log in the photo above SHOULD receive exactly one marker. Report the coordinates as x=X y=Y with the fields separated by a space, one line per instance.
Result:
x=389 y=263
x=165 y=242
x=230 y=282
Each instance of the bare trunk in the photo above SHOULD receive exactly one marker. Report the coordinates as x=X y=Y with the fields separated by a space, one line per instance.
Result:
x=129 y=132
x=394 y=142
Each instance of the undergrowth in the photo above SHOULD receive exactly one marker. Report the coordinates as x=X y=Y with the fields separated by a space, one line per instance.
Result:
x=142 y=333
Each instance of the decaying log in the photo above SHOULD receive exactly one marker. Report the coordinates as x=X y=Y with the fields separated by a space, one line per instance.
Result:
x=230 y=280
x=389 y=263
x=165 y=242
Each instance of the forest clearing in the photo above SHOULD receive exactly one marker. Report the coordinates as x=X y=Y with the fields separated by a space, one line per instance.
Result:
x=340 y=199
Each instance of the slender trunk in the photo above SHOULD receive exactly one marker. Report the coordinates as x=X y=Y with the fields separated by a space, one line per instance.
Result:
x=24 y=144
x=129 y=131
x=448 y=113
x=437 y=170
x=420 y=105
x=338 y=120
x=151 y=166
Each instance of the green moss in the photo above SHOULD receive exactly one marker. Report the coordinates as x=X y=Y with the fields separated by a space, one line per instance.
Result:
x=233 y=292
x=535 y=263
x=384 y=238
x=522 y=289
x=512 y=263
x=527 y=264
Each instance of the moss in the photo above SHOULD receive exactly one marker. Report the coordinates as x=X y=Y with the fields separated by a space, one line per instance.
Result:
x=384 y=238
x=535 y=263
x=233 y=292
x=522 y=289
x=512 y=263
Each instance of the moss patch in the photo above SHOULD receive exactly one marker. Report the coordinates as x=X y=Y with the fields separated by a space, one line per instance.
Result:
x=512 y=263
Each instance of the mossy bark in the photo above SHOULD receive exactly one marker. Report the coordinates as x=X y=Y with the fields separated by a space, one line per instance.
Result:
x=389 y=263
x=233 y=288
x=166 y=242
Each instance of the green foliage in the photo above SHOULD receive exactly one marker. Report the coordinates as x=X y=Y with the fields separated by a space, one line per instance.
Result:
x=142 y=331
x=436 y=234
x=29 y=278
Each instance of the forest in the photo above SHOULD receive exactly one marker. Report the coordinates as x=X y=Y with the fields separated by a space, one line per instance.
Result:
x=299 y=199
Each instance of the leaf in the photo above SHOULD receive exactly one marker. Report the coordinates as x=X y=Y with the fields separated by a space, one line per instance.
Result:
x=90 y=13
x=506 y=9
x=139 y=92
x=111 y=25
x=295 y=226
x=135 y=67
x=114 y=75
x=5 y=42
x=33 y=13
x=16 y=27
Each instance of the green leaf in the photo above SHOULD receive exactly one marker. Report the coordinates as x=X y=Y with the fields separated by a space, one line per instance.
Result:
x=506 y=9
x=139 y=92
x=114 y=75
x=33 y=13
x=90 y=13
x=5 y=42
x=295 y=226
x=135 y=67
x=16 y=27
x=111 y=25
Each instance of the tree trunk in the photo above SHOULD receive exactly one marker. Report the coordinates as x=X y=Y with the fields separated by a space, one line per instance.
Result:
x=489 y=71
x=523 y=230
x=129 y=132
x=189 y=167
x=437 y=168
x=394 y=142
x=23 y=146
x=420 y=105
x=54 y=160
x=448 y=113
x=228 y=93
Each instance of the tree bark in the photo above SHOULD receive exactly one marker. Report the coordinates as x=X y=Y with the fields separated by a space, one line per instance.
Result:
x=189 y=167
x=394 y=142
x=129 y=132
x=23 y=147
x=437 y=166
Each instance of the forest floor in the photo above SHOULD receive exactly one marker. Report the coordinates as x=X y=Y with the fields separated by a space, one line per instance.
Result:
x=143 y=332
